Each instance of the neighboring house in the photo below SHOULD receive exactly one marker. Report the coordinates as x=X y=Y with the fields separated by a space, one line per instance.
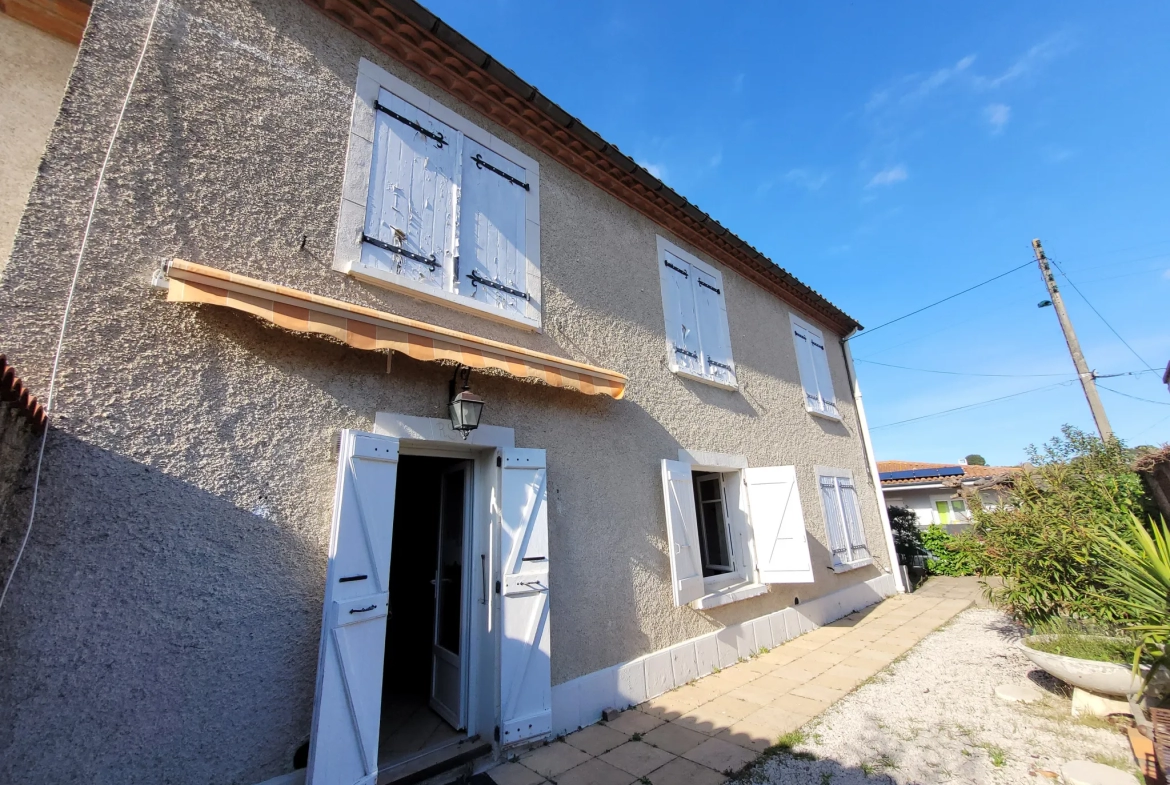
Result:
x=932 y=490
x=258 y=540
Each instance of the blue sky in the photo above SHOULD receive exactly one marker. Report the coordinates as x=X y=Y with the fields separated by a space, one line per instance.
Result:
x=892 y=154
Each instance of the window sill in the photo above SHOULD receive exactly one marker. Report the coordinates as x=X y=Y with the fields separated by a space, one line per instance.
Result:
x=824 y=416
x=740 y=591
x=853 y=565
x=704 y=380
x=400 y=283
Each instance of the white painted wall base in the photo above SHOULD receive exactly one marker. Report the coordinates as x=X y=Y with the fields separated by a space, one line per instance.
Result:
x=579 y=702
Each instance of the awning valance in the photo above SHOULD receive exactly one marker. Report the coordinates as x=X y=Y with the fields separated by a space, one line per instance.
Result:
x=366 y=328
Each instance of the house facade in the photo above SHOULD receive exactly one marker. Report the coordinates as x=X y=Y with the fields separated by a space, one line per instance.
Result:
x=267 y=245
x=937 y=493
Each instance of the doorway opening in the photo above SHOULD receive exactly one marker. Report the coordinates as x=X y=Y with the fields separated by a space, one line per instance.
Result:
x=425 y=676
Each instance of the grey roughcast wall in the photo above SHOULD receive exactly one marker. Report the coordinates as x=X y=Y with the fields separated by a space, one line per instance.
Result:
x=163 y=626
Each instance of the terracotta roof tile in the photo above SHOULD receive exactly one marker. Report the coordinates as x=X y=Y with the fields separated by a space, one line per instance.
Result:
x=969 y=471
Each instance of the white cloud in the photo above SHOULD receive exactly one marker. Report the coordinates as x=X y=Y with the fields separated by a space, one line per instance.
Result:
x=1030 y=61
x=916 y=86
x=807 y=179
x=895 y=174
x=658 y=170
x=997 y=115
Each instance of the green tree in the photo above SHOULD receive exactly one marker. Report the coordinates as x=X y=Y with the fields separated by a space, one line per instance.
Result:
x=974 y=459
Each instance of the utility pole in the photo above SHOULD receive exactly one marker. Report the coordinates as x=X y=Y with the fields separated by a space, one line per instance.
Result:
x=1088 y=378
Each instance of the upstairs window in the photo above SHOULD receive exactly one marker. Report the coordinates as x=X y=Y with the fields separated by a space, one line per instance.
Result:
x=843 y=519
x=698 y=343
x=448 y=213
x=813 y=361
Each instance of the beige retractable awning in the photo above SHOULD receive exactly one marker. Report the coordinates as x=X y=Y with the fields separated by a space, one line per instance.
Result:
x=366 y=328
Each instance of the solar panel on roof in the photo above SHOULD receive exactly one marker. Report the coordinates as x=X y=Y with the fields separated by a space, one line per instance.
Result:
x=921 y=474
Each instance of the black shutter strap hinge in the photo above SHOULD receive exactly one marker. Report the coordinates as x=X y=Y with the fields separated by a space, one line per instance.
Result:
x=687 y=352
x=685 y=274
x=477 y=279
x=725 y=367
x=424 y=131
x=709 y=286
x=427 y=260
x=482 y=164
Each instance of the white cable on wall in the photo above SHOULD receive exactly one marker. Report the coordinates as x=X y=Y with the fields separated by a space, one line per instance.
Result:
x=69 y=300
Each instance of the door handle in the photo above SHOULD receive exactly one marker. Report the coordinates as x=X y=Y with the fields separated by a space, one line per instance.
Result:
x=483 y=574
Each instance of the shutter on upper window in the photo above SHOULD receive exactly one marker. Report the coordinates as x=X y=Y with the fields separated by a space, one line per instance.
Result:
x=493 y=266
x=777 y=523
x=804 y=362
x=678 y=303
x=824 y=378
x=838 y=544
x=413 y=184
x=852 y=512
x=682 y=532
x=714 y=338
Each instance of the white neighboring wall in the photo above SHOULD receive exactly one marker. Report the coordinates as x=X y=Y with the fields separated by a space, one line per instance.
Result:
x=579 y=702
x=34 y=68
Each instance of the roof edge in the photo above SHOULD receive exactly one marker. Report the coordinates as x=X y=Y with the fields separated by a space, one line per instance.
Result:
x=414 y=36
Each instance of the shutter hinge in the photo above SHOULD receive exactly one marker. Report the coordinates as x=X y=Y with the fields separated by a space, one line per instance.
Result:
x=477 y=279
x=685 y=274
x=496 y=733
x=424 y=131
x=727 y=368
x=687 y=352
x=499 y=461
x=709 y=286
x=430 y=261
x=482 y=164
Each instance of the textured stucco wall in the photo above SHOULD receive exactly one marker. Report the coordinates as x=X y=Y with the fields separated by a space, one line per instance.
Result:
x=34 y=67
x=164 y=625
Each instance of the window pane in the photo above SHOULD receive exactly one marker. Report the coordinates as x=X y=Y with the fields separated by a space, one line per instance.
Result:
x=833 y=522
x=450 y=571
x=944 y=512
x=713 y=543
x=852 y=510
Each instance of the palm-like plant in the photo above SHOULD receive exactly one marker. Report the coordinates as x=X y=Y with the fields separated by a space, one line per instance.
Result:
x=1142 y=574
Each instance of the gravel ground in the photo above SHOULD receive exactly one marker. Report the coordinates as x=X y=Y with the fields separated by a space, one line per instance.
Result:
x=933 y=717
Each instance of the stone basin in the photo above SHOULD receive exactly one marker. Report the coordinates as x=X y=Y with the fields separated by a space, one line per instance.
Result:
x=1104 y=678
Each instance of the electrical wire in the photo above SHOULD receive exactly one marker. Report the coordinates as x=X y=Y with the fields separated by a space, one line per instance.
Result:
x=1127 y=395
x=973 y=405
x=1099 y=316
x=939 y=302
x=1149 y=428
x=963 y=373
x=69 y=299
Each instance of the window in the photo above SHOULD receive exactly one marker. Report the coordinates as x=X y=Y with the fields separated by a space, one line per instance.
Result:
x=813 y=362
x=698 y=343
x=715 y=548
x=950 y=511
x=436 y=207
x=842 y=519
x=731 y=530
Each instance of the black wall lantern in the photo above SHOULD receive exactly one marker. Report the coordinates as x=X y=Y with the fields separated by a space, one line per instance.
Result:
x=466 y=407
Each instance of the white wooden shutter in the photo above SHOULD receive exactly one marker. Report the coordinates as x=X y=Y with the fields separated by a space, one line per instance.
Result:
x=491 y=231
x=804 y=363
x=525 y=666
x=682 y=532
x=777 y=522
x=830 y=500
x=714 y=336
x=852 y=512
x=683 y=350
x=413 y=183
x=820 y=360
x=347 y=706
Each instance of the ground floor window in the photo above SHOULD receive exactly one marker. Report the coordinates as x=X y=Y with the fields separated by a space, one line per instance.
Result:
x=951 y=511
x=715 y=542
x=843 y=518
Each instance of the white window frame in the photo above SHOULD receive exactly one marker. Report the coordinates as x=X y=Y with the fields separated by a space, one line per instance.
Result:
x=842 y=566
x=741 y=583
x=665 y=246
x=355 y=194
x=949 y=499
x=812 y=331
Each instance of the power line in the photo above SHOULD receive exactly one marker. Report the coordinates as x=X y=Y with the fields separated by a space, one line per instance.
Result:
x=1147 y=429
x=962 y=373
x=1127 y=395
x=1099 y=316
x=940 y=302
x=972 y=405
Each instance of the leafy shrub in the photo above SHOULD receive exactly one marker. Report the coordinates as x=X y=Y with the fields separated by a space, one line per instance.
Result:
x=904 y=527
x=1085 y=641
x=975 y=460
x=948 y=554
x=1140 y=568
x=1042 y=540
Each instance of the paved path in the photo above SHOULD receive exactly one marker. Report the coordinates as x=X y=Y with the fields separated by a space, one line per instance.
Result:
x=720 y=723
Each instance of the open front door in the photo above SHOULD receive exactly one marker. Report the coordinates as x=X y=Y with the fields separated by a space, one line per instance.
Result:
x=448 y=676
x=525 y=667
x=343 y=748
